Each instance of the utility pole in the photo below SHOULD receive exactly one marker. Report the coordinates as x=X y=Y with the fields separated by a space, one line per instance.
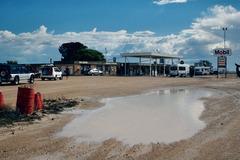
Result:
x=106 y=54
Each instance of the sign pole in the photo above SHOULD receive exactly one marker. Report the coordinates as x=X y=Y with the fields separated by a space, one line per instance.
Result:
x=224 y=40
x=226 y=67
x=217 y=67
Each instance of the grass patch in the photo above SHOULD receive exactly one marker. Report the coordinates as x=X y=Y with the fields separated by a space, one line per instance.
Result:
x=9 y=117
x=55 y=106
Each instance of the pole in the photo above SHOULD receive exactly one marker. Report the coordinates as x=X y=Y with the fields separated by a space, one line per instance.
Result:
x=217 y=68
x=226 y=67
x=140 y=66
x=150 y=66
x=164 y=69
x=155 y=62
x=224 y=40
x=125 y=67
x=106 y=54
x=224 y=37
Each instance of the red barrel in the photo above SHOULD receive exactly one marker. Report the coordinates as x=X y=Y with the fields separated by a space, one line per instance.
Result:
x=25 y=100
x=38 y=102
x=2 y=102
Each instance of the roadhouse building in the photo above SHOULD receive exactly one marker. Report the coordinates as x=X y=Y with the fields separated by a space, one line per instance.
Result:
x=154 y=67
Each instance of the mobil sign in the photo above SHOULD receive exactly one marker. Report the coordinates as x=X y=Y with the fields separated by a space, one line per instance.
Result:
x=222 y=52
x=222 y=61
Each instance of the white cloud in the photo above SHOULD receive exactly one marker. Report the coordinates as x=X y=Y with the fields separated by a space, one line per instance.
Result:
x=163 y=2
x=197 y=41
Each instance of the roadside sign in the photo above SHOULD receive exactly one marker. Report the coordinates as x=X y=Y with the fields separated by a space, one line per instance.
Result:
x=222 y=52
x=222 y=62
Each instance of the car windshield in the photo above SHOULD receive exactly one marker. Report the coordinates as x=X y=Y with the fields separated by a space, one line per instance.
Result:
x=56 y=70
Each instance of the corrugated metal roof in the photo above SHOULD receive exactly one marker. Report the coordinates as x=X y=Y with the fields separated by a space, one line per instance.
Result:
x=150 y=54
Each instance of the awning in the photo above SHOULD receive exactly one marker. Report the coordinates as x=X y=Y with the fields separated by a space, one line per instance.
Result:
x=150 y=55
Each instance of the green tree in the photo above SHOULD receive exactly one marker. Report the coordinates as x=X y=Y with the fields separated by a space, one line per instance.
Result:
x=76 y=51
x=12 y=62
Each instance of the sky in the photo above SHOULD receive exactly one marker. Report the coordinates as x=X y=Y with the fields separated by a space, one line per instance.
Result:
x=31 y=31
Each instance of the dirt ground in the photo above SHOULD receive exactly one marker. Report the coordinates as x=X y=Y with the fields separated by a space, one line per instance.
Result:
x=219 y=140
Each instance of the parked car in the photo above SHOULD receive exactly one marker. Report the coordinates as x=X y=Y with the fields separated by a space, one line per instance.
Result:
x=85 y=72
x=51 y=72
x=15 y=73
x=202 y=70
x=95 y=72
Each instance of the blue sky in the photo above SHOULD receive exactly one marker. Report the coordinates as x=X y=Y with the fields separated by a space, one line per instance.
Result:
x=107 y=15
x=28 y=27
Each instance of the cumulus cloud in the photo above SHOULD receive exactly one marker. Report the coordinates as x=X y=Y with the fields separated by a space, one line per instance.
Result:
x=197 y=41
x=163 y=2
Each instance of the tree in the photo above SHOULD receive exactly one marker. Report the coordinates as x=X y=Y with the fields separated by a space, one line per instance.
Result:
x=76 y=51
x=203 y=63
x=12 y=62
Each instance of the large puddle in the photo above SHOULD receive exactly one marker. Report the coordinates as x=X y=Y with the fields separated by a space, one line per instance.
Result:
x=162 y=116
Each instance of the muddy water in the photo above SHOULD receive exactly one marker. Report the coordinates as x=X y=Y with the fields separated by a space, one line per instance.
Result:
x=162 y=116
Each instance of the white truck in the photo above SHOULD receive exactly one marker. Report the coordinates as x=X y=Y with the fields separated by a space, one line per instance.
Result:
x=181 y=70
x=15 y=73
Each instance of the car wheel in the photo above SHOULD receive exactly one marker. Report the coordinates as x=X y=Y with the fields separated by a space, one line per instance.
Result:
x=31 y=80
x=55 y=78
x=3 y=73
x=16 y=81
x=61 y=78
x=43 y=79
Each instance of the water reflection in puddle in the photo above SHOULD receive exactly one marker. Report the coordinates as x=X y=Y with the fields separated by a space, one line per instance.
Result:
x=161 y=116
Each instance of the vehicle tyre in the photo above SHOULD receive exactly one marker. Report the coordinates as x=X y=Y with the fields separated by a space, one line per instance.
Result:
x=3 y=73
x=16 y=81
x=31 y=80
x=61 y=78
x=43 y=78
x=55 y=78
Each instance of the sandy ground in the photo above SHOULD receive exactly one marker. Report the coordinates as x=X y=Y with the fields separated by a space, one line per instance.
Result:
x=219 y=140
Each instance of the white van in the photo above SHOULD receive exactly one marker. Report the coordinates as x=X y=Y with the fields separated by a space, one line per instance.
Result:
x=181 y=70
x=51 y=72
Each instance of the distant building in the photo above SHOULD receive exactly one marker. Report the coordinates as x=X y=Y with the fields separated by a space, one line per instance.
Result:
x=82 y=67
x=153 y=68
